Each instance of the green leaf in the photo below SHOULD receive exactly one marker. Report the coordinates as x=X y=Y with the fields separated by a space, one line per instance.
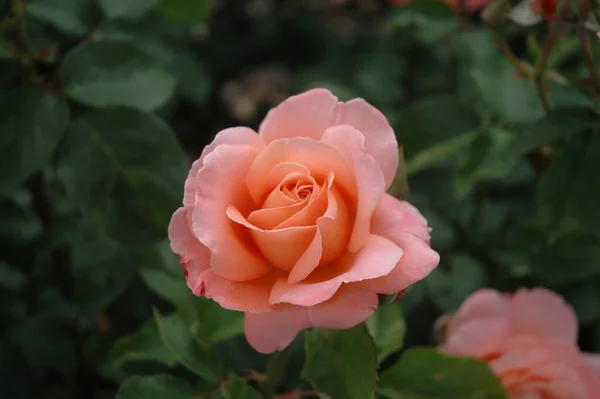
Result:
x=162 y=272
x=72 y=17
x=428 y=374
x=234 y=388
x=573 y=256
x=143 y=345
x=427 y=20
x=179 y=338
x=214 y=323
x=186 y=11
x=450 y=286
x=341 y=363
x=387 y=327
x=108 y=153
x=558 y=123
x=115 y=73
x=568 y=193
x=32 y=123
x=156 y=386
x=585 y=297
x=127 y=9
x=434 y=129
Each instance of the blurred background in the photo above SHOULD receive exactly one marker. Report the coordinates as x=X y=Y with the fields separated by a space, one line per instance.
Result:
x=105 y=103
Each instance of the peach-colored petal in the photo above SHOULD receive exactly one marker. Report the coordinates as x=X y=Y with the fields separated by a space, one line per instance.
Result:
x=593 y=360
x=232 y=136
x=377 y=258
x=183 y=242
x=380 y=140
x=330 y=241
x=194 y=270
x=283 y=247
x=229 y=244
x=406 y=227
x=304 y=115
x=319 y=158
x=416 y=263
x=247 y=296
x=270 y=331
x=477 y=338
x=543 y=312
x=482 y=304
x=368 y=176
x=309 y=114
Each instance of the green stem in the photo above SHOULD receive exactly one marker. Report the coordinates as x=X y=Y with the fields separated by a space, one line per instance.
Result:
x=541 y=71
x=588 y=57
x=23 y=43
x=275 y=371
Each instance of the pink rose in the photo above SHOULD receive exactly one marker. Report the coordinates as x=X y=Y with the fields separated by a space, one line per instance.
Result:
x=529 y=341
x=293 y=226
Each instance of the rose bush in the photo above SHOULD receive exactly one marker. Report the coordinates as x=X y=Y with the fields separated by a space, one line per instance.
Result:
x=293 y=225
x=529 y=341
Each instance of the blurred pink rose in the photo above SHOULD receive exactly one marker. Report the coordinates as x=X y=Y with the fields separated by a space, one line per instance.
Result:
x=470 y=5
x=529 y=341
x=293 y=226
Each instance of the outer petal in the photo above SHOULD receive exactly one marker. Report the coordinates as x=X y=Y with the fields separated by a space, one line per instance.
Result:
x=380 y=140
x=309 y=114
x=271 y=331
x=232 y=136
x=229 y=244
x=246 y=296
x=369 y=179
x=377 y=258
x=593 y=360
x=397 y=221
x=544 y=313
x=481 y=305
x=304 y=115
x=479 y=338
x=183 y=242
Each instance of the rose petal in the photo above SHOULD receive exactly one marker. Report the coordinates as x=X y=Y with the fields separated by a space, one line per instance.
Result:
x=270 y=331
x=482 y=304
x=183 y=242
x=230 y=245
x=398 y=222
x=283 y=247
x=593 y=360
x=246 y=296
x=309 y=114
x=543 y=312
x=369 y=179
x=304 y=115
x=319 y=158
x=377 y=258
x=232 y=136
x=380 y=140
x=479 y=338
x=330 y=241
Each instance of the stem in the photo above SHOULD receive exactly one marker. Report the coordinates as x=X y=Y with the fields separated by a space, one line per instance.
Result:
x=24 y=47
x=540 y=75
x=586 y=47
x=523 y=68
x=275 y=371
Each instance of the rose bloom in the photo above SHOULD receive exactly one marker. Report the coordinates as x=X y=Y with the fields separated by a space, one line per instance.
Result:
x=293 y=225
x=529 y=341
x=470 y=5
x=544 y=8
